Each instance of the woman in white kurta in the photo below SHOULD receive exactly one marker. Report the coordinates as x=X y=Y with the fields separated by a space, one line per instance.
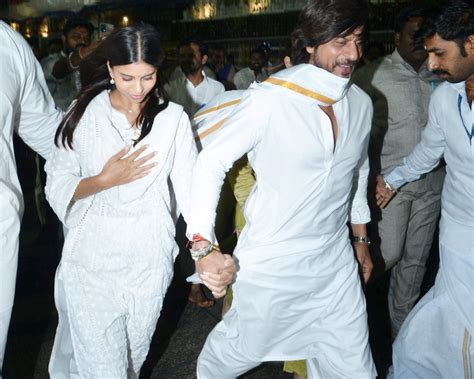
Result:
x=118 y=255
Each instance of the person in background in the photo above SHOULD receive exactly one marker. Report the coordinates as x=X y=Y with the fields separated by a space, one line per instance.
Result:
x=195 y=88
x=254 y=72
x=61 y=69
x=225 y=71
x=435 y=341
x=400 y=86
x=27 y=108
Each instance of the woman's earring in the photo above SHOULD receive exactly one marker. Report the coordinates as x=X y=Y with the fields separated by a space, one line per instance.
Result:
x=112 y=81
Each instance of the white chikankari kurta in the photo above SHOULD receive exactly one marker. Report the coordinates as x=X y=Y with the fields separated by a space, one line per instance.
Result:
x=297 y=284
x=27 y=108
x=120 y=243
x=436 y=339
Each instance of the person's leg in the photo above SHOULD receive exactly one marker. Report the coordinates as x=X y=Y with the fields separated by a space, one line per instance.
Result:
x=220 y=358
x=433 y=341
x=407 y=275
x=342 y=349
x=10 y=210
x=96 y=319
x=392 y=228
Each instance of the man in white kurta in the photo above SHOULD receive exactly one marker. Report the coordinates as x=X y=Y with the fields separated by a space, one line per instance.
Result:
x=27 y=108
x=435 y=340
x=297 y=294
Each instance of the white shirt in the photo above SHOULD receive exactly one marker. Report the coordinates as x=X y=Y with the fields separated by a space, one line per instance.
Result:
x=27 y=108
x=244 y=77
x=191 y=98
x=447 y=134
x=64 y=90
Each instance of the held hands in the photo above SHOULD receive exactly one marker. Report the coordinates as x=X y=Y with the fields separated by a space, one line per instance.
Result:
x=383 y=194
x=120 y=170
x=216 y=271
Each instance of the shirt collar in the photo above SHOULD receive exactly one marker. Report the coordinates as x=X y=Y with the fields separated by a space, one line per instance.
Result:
x=423 y=73
x=204 y=80
x=311 y=82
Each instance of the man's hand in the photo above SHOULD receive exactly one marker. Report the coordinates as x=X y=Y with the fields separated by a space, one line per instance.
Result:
x=363 y=257
x=217 y=272
x=383 y=195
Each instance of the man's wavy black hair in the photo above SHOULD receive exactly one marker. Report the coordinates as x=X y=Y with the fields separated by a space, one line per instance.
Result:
x=451 y=23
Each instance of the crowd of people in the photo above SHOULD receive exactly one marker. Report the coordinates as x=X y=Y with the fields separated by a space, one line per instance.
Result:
x=331 y=160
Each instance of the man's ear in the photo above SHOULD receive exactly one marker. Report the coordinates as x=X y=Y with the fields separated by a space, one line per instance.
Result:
x=310 y=49
x=204 y=59
x=396 y=39
x=287 y=61
x=469 y=43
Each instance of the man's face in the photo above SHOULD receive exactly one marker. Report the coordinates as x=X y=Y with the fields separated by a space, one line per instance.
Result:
x=190 y=59
x=78 y=37
x=340 y=55
x=411 y=53
x=256 y=62
x=445 y=58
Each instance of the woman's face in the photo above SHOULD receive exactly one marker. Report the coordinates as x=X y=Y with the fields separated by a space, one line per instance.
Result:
x=134 y=81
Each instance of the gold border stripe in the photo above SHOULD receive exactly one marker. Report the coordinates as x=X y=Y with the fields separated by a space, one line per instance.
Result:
x=216 y=108
x=301 y=90
x=465 y=355
x=210 y=130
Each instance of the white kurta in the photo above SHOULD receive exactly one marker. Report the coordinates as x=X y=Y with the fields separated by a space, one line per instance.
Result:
x=118 y=254
x=435 y=340
x=297 y=293
x=26 y=107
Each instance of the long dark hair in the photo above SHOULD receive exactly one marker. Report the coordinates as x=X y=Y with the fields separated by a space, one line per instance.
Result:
x=323 y=20
x=123 y=46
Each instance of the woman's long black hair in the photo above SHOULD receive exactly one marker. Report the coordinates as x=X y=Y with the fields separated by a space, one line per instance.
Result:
x=123 y=46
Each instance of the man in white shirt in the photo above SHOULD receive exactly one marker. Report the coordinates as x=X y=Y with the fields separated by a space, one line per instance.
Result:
x=195 y=88
x=435 y=340
x=27 y=108
x=61 y=69
x=297 y=294
x=254 y=72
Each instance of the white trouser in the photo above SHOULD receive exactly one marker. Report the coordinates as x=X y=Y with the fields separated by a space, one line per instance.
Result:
x=10 y=218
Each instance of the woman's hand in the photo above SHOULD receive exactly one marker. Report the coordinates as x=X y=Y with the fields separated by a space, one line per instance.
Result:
x=119 y=170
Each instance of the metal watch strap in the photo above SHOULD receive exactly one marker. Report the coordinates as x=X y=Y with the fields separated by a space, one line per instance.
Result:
x=363 y=239
x=202 y=252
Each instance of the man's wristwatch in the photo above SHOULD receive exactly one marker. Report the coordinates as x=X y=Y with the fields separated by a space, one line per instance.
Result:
x=363 y=239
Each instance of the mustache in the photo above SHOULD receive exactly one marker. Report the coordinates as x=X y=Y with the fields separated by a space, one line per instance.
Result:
x=346 y=63
x=440 y=72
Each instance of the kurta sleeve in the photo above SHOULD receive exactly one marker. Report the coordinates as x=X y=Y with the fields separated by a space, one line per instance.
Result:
x=359 y=211
x=63 y=176
x=239 y=134
x=183 y=165
x=38 y=116
x=425 y=156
